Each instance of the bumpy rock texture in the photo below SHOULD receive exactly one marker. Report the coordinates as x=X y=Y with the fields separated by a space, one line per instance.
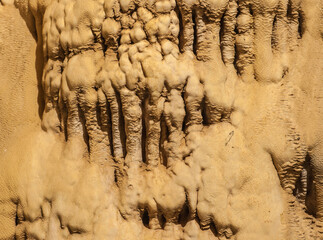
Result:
x=161 y=119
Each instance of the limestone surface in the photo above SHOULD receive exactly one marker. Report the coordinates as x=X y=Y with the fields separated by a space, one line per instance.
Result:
x=161 y=119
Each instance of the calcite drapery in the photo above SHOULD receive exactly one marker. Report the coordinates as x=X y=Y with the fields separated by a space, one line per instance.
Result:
x=178 y=113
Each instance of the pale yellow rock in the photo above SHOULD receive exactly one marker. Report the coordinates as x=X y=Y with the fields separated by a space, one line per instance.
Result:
x=161 y=119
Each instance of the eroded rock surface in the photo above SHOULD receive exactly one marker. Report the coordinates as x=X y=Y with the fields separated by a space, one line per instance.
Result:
x=164 y=119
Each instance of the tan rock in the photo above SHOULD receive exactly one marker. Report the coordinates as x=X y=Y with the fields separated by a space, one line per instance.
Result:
x=161 y=119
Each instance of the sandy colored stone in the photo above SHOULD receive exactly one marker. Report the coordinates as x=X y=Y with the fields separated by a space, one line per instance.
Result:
x=161 y=119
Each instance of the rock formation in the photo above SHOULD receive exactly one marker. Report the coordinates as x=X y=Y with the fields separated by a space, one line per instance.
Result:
x=161 y=119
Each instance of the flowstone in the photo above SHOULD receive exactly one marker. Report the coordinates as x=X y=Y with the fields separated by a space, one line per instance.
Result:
x=161 y=119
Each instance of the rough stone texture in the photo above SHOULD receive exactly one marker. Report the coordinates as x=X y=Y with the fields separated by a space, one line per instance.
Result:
x=161 y=119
